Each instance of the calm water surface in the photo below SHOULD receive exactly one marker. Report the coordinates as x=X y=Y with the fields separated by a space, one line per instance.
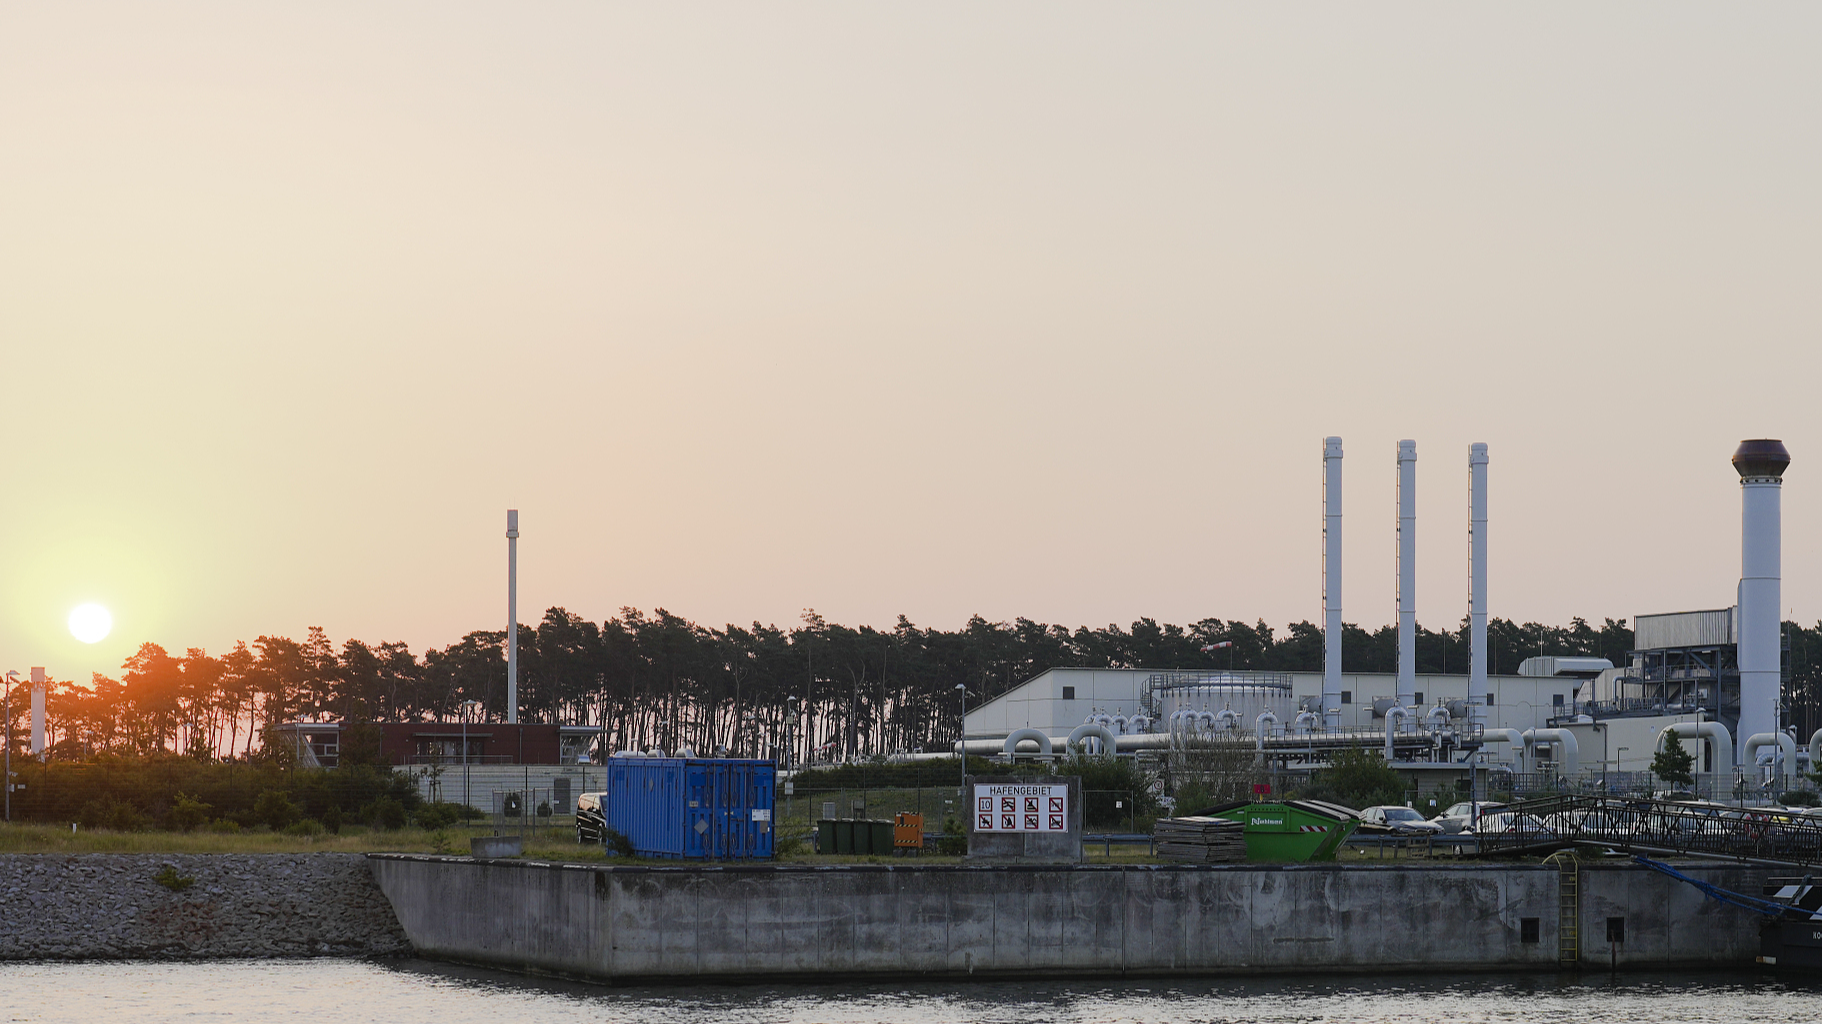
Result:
x=405 y=991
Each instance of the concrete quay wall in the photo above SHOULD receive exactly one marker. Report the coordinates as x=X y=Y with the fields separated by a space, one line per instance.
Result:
x=101 y=906
x=647 y=923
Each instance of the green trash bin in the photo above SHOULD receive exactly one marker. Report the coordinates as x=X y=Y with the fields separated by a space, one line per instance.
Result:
x=880 y=832
x=863 y=838
x=844 y=836
x=825 y=836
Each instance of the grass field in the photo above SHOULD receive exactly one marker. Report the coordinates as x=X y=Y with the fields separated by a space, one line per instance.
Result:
x=558 y=845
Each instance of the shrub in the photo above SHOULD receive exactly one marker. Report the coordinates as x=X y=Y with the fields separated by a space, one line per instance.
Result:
x=168 y=878
x=784 y=846
x=304 y=827
x=273 y=808
x=332 y=819
x=188 y=813
x=109 y=812
x=1356 y=778
x=618 y=842
x=223 y=826
x=444 y=814
x=1798 y=798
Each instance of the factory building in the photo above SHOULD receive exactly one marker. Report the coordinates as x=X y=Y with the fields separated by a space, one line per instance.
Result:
x=1713 y=677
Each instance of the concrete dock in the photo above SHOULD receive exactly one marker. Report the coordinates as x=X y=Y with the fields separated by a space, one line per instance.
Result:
x=643 y=923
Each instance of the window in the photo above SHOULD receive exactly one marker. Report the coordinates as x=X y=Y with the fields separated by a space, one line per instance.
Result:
x=1417 y=697
x=1527 y=930
x=1557 y=700
x=1616 y=930
x=1490 y=701
x=1347 y=697
x=1068 y=693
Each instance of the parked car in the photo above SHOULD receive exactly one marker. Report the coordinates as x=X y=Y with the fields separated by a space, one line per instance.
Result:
x=1391 y=818
x=1460 y=816
x=1513 y=826
x=591 y=819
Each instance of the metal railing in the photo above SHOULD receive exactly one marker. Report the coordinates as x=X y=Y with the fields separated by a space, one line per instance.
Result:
x=1632 y=824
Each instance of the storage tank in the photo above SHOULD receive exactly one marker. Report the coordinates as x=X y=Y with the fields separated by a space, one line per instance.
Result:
x=700 y=808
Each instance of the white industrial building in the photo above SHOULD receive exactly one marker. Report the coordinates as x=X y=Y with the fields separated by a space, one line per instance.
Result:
x=1711 y=676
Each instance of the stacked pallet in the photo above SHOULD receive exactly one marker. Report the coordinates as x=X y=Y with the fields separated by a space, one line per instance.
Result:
x=1201 y=840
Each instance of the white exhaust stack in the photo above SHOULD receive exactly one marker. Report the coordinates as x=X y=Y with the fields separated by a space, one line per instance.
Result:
x=512 y=615
x=1331 y=582
x=1407 y=573
x=1477 y=570
x=1761 y=463
x=38 y=686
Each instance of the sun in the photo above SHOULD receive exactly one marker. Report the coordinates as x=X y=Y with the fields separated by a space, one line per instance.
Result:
x=90 y=622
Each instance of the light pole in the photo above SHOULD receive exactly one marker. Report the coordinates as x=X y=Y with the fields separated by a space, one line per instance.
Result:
x=467 y=706
x=961 y=734
x=12 y=677
x=1619 y=761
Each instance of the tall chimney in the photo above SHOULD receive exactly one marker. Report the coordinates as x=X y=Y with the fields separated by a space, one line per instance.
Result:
x=1477 y=570
x=1407 y=573
x=1331 y=582
x=38 y=685
x=1761 y=464
x=512 y=615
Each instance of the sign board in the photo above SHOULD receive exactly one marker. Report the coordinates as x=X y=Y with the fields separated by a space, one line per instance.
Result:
x=1021 y=808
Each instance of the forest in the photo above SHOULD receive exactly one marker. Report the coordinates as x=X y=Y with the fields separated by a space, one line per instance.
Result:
x=817 y=691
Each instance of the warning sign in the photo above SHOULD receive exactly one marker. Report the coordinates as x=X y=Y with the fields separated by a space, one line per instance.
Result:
x=1021 y=808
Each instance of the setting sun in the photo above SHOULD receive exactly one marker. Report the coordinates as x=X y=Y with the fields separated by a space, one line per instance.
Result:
x=90 y=622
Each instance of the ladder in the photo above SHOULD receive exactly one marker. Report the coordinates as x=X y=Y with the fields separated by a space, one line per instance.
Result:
x=1568 y=908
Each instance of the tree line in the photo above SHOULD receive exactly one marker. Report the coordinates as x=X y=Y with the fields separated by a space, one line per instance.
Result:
x=814 y=691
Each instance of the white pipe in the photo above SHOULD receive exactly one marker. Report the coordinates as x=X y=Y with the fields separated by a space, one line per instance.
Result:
x=1815 y=751
x=1227 y=719
x=1761 y=464
x=1714 y=732
x=1438 y=716
x=1262 y=727
x=1512 y=737
x=1565 y=739
x=1392 y=715
x=686 y=752
x=1109 y=743
x=1407 y=572
x=1477 y=570
x=1331 y=581
x=1010 y=746
x=1786 y=744
x=1142 y=742
x=512 y=615
x=1308 y=722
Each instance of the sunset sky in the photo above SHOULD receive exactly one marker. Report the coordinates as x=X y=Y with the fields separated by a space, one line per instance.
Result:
x=1033 y=310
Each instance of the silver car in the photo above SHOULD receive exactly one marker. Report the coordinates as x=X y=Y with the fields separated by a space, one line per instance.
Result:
x=1392 y=818
x=1458 y=817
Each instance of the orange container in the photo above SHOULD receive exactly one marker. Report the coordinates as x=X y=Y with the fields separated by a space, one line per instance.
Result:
x=908 y=831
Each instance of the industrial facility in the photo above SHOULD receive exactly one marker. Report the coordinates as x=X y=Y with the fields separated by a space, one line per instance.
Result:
x=1712 y=678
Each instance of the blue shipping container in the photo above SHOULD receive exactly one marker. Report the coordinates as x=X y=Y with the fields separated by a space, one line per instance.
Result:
x=708 y=808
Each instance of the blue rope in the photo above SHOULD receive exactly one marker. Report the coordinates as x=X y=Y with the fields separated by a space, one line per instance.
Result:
x=1738 y=900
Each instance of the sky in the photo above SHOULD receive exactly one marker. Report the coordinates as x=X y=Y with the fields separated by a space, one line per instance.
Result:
x=1030 y=310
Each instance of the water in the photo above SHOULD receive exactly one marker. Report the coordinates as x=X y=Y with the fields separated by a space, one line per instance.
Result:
x=405 y=991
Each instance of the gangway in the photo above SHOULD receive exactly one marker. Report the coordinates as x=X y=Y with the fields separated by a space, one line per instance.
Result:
x=1766 y=836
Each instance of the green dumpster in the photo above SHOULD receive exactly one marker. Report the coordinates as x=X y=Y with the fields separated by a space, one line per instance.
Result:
x=844 y=836
x=1290 y=830
x=880 y=836
x=825 y=836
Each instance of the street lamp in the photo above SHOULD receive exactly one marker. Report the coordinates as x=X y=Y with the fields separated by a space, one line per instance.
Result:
x=961 y=734
x=12 y=677
x=467 y=706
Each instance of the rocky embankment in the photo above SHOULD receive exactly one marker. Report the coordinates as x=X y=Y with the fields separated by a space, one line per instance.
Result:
x=193 y=906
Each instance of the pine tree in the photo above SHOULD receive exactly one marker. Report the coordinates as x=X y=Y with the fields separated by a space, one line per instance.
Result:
x=1674 y=764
